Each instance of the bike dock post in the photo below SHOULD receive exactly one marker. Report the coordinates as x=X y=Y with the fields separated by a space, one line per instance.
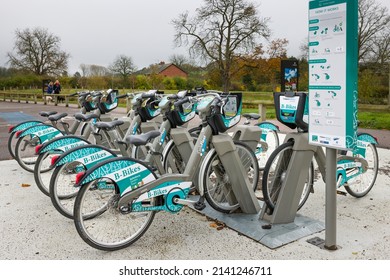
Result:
x=246 y=198
x=292 y=188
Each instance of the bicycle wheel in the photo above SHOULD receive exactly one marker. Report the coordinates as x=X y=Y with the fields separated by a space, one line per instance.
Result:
x=265 y=148
x=109 y=229
x=43 y=172
x=173 y=162
x=362 y=184
x=62 y=190
x=25 y=152
x=216 y=183
x=12 y=143
x=274 y=178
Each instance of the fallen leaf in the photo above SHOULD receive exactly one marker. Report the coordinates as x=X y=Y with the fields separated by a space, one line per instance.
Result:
x=213 y=225
x=25 y=185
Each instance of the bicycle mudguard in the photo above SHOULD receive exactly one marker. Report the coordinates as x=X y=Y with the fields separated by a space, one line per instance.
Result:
x=127 y=173
x=367 y=138
x=43 y=131
x=87 y=155
x=265 y=127
x=363 y=139
x=63 y=144
x=24 y=125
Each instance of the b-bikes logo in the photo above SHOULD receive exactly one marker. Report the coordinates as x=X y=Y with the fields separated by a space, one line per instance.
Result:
x=95 y=157
x=46 y=131
x=127 y=172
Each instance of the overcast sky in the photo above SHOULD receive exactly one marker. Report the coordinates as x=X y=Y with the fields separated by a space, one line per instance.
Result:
x=96 y=31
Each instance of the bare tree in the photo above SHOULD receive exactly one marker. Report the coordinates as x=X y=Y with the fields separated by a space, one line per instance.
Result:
x=179 y=59
x=98 y=70
x=38 y=51
x=374 y=19
x=123 y=66
x=84 y=70
x=278 y=48
x=220 y=32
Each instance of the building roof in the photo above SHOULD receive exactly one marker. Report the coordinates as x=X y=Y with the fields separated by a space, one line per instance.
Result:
x=157 y=68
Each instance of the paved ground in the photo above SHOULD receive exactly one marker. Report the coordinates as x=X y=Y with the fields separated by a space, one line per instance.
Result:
x=31 y=229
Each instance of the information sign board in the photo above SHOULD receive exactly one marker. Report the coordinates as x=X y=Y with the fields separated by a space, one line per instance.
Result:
x=333 y=67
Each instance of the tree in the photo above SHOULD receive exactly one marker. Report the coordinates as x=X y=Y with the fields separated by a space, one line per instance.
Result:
x=278 y=48
x=374 y=21
x=123 y=66
x=179 y=59
x=38 y=51
x=221 y=32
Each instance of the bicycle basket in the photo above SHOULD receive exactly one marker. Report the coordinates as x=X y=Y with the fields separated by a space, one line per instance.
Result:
x=230 y=114
x=150 y=110
x=109 y=102
x=184 y=113
x=291 y=109
x=89 y=105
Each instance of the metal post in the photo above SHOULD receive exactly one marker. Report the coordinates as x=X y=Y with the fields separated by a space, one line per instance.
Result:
x=262 y=112
x=330 y=200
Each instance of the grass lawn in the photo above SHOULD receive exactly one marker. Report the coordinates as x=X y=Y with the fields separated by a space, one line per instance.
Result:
x=370 y=116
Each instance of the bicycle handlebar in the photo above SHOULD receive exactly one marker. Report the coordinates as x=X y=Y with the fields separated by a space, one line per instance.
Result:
x=182 y=101
x=122 y=96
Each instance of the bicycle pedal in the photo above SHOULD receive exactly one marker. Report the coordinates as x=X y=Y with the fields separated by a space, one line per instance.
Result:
x=341 y=193
x=199 y=205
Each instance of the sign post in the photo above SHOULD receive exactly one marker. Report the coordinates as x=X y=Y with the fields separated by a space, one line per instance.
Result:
x=333 y=67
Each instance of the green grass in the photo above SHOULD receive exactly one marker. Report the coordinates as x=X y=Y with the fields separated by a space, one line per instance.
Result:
x=370 y=116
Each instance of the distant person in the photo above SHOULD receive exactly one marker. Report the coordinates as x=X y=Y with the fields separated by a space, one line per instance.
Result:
x=57 y=90
x=49 y=91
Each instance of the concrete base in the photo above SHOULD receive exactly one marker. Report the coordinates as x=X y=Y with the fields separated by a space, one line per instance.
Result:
x=272 y=236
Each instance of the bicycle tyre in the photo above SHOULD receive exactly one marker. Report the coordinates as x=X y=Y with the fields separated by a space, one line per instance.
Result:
x=108 y=229
x=270 y=196
x=173 y=162
x=217 y=192
x=42 y=166
x=362 y=184
x=12 y=143
x=263 y=156
x=26 y=156
x=62 y=191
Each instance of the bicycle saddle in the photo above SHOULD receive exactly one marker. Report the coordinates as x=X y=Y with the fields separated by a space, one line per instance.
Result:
x=142 y=139
x=46 y=114
x=109 y=125
x=84 y=117
x=58 y=116
x=251 y=116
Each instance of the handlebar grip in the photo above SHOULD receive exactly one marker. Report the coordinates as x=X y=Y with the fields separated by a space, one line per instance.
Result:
x=73 y=94
x=148 y=95
x=182 y=101
x=172 y=97
x=121 y=96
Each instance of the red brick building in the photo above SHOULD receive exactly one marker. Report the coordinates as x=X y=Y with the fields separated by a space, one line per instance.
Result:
x=166 y=70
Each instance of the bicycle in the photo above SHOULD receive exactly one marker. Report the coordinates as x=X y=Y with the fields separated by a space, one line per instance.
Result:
x=356 y=170
x=33 y=136
x=52 y=117
x=62 y=190
x=103 y=104
x=133 y=192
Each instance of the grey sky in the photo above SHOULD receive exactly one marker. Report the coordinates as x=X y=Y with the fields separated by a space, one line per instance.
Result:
x=96 y=31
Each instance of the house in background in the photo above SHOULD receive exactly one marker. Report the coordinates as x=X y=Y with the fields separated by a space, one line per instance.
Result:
x=164 y=69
